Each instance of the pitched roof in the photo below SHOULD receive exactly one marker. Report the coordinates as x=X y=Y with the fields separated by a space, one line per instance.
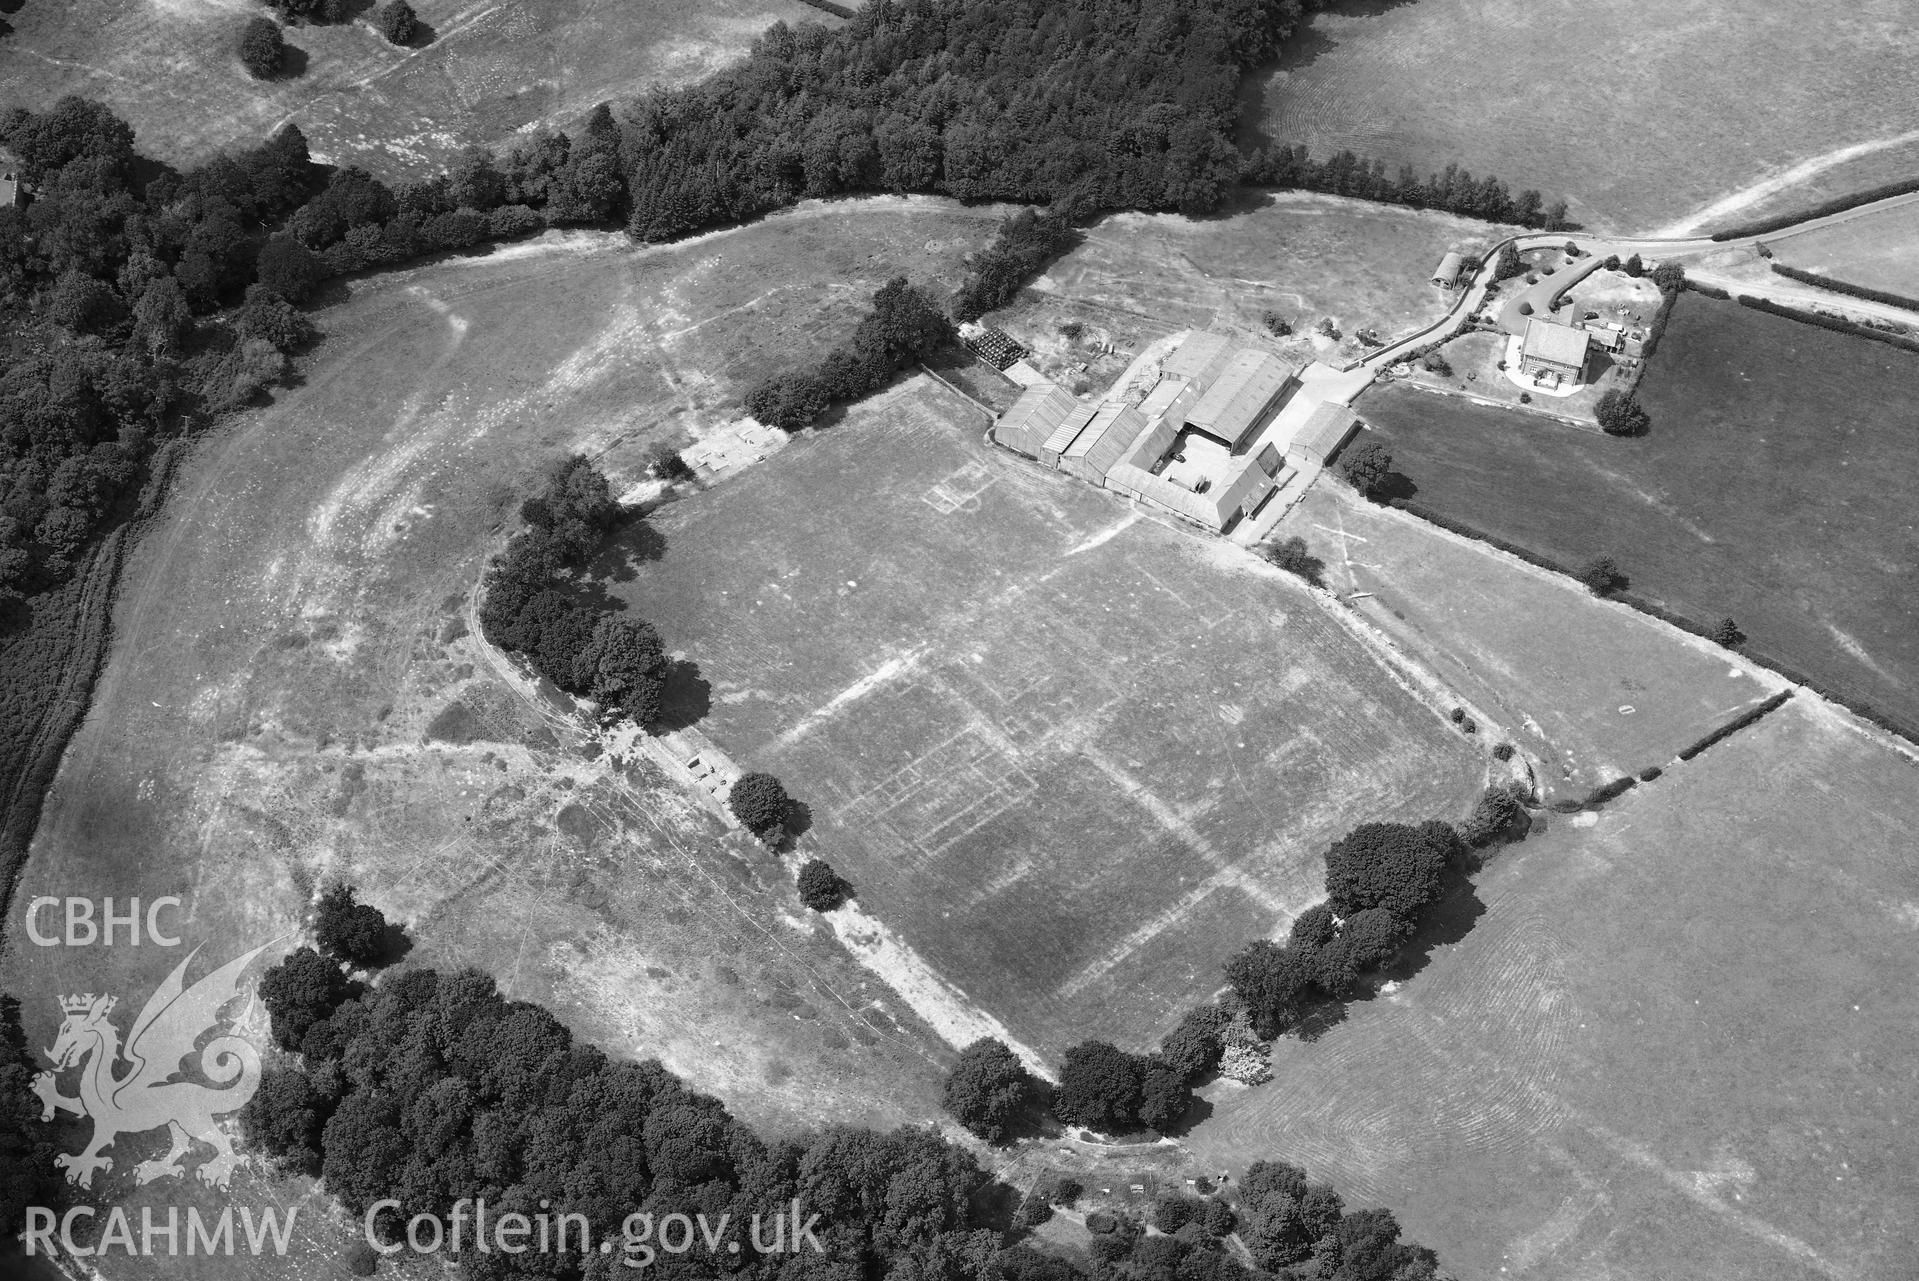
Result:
x=1556 y=343
x=1239 y=395
x=1239 y=492
x=1199 y=356
x=1034 y=416
x=1068 y=430
x=1101 y=445
x=1326 y=430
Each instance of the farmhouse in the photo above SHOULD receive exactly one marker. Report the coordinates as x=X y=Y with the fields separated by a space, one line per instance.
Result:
x=1553 y=353
x=1321 y=435
x=1446 y=275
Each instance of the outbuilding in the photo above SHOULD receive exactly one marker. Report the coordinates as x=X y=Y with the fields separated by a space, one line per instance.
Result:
x=1446 y=275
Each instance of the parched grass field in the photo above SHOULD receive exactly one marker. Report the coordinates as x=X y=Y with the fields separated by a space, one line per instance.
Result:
x=1141 y=276
x=293 y=692
x=1776 y=487
x=1072 y=756
x=169 y=68
x=1638 y=114
x=1589 y=690
x=1679 y=1043
x=1877 y=250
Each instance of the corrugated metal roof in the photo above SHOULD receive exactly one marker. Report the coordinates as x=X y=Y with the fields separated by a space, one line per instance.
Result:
x=1063 y=435
x=1326 y=430
x=1034 y=417
x=1554 y=343
x=1199 y=356
x=1448 y=269
x=1239 y=395
x=1105 y=440
x=1213 y=509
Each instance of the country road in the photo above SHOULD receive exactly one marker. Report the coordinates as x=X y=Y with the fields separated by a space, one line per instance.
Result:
x=1778 y=289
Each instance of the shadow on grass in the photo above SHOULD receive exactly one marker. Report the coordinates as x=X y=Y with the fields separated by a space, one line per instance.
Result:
x=799 y=818
x=1397 y=486
x=1447 y=921
x=686 y=699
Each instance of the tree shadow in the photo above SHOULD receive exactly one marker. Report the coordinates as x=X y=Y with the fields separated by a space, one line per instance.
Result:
x=424 y=34
x=1447 y=921
x=685 y=699
x=799 y=818
x=395 y=944
x=293 y=63
x=636 y=542
x=1396 y=486
x=993 y=1206
x=1321 y=1019
x=1198 y=1110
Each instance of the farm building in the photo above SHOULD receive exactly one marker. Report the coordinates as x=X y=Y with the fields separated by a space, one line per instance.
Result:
x=1113 y=428
x=1241 y=397
x=12 y=185
x=1215 y=505
x=1198 y=358
x=1446 y=275
x=1553 y=353
x=1321 y=435
x=1031 y=422
x=1066 y=433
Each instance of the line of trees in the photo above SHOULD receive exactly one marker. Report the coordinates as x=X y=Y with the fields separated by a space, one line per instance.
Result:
x=1023 y=247
x=1452 y=189
x=532 y=605
x=431 y=1087
x=902 y=327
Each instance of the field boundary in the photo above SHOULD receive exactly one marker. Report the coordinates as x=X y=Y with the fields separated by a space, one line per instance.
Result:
x=992 y=415
x=1762 y=659
x=1844 y=287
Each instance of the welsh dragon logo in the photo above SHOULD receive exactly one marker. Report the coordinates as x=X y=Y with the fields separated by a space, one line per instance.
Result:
x=145 y=1096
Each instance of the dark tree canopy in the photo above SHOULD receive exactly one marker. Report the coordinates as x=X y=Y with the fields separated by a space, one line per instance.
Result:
x=1276 y=983
x=262 y=48
x=1602 y=576
x=350 y=931
x=623 y=666
x=398 y=23
x=1366 y=465
x=300 y=992
x=1389 y=865
x=1293 y=556
x=1621 y=414
x=1099 y=1088
x=820 y=887
x=761 y=805
x=987 y=1089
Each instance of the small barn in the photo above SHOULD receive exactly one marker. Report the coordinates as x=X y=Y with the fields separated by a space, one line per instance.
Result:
x=1066 y=433
x=1553 y=352
x=1447 y=274
x=1099 y=448
x=1198 y=359
x=1320 y=436
x=1034 y=417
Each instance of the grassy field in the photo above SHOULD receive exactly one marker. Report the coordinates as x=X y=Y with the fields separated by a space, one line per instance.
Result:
x=1775 y=487
x=1637 y=114
x=1072 y=756
x=1141 y=276
x=1678 y=1043
x=169 y=68
x=1879 y=251
x=292 y=691
x=1589 y=690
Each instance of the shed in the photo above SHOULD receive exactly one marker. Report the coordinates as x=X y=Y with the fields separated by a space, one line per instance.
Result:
x=1446 y=275
x=1240 y=397
x=1040 y=409
x=1320 y=436
x=1096 y=450
x=1064 y=434
x=1199 y=358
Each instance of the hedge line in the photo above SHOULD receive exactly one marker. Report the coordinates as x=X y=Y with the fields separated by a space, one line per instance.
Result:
x=1843 y=287
x=1839 y=204
x=1908 y=730
x=1834 y=323
x=1736 y=724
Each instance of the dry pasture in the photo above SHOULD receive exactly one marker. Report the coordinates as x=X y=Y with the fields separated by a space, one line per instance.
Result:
x=1639 y=115
x=1073 y=756
x=1678 y=1043
x=170 y=69
x=293 y=692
